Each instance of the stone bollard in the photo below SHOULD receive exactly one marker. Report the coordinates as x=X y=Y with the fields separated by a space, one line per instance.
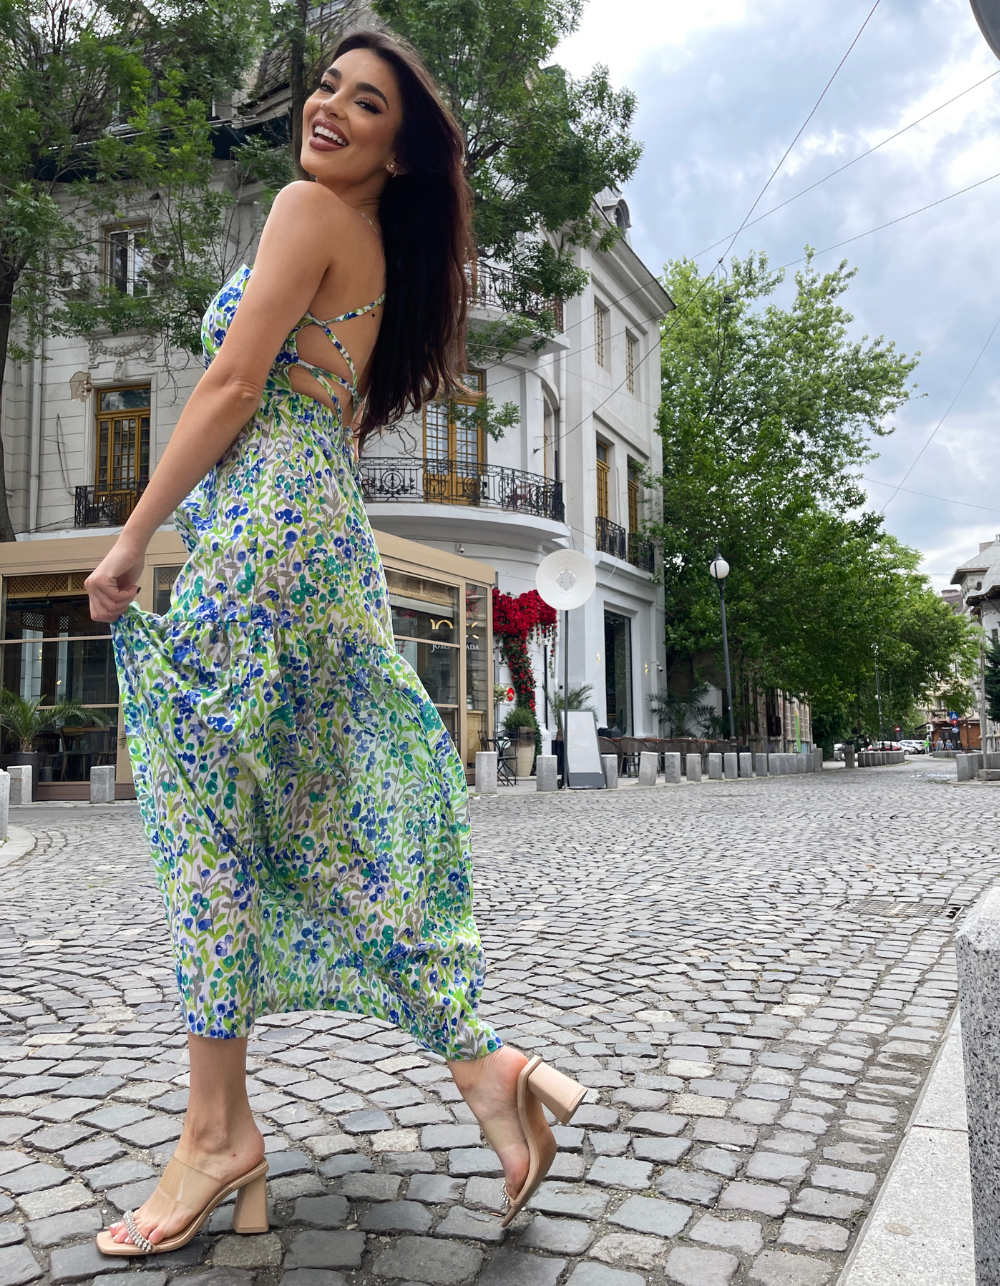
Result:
x=746 y=764
x=102 y=785
x=647 y=767
x=966 y=766
x=4 y=803
x=486 y=772
x=760 y=764
x=804 y=761
x=546 y=772
x=672 y=768
x=818 y=759
x=609 y=763
x=977 y=950
x=776 y=763
x=692 y=767
x=21 y=785
x=731 y=765
x=715 y=767
x=849 y=760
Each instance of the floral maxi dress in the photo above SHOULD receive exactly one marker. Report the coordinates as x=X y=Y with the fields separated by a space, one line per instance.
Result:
x=305 y=806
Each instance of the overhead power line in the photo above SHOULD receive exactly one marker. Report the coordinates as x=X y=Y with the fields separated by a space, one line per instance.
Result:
x=948 y=500
x=961 y=387
x=801 y=130
x=891 y=222
x=860 y=157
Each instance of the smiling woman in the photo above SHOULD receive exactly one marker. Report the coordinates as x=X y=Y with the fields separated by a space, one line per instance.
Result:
x=303 y=800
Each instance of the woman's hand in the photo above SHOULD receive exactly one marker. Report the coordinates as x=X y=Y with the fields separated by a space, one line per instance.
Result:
x=115 y=582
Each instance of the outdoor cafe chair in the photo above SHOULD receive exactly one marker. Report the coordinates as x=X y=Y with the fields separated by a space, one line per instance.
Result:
x=506 y=758
x=631 y=749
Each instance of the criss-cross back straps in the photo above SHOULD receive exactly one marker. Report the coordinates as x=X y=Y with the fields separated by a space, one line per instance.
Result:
x=324 y=376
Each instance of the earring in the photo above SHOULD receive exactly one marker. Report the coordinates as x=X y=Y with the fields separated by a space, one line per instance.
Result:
x=391 y=167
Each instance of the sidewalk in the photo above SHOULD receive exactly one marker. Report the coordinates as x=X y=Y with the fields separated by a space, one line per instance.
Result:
x=919 y=1232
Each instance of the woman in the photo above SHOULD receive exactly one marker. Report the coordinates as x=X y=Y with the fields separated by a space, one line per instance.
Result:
x=304 y=804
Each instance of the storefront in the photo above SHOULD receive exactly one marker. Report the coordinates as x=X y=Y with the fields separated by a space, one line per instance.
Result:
x=51 y=650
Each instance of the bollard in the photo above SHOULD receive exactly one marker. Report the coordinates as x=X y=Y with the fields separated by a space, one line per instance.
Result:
x=818 y=759
x=849 y=760
x=486 y=772
x=731 y=765
x=746 y=764
x=967 y=767
x=803 y=761
x=609 y=763
x=21 y=784
x=647 y=767
x=4 y=803
x=977 y=950
x=714 y=767
x=760 y=764
x=546 y=772
x=102 y=785
x=692 y=767
x=672 y=768
x=776 y=763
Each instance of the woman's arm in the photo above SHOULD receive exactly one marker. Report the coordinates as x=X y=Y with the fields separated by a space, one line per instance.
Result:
x=293 y=257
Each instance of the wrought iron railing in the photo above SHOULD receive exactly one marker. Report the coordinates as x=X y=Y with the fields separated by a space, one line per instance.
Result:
x=626 y=545
x=96 y=507
x=494 y=287
x=457 y=482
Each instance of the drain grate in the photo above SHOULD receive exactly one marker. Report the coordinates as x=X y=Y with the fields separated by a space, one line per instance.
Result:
x=953 y=911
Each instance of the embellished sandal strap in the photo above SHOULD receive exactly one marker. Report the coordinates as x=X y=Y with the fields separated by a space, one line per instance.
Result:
x=135 y=1236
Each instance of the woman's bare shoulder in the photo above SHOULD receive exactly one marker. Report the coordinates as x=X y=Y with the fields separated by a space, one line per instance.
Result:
x=301 y=205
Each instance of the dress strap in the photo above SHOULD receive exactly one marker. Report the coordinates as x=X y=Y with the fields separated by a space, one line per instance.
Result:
x=355 y=312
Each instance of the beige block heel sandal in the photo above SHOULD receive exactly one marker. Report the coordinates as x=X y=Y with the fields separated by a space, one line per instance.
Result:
x=202 y=1192
x=562 y=1096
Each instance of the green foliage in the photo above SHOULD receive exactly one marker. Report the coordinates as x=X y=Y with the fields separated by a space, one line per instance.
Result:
x=519 y=717
x=765 y=421
x=992 y=681
x=682 y=715
x=579 y=699
x=539 y=144
x=25 y=722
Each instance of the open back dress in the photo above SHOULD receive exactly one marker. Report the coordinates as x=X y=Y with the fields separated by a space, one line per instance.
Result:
x=304 y=803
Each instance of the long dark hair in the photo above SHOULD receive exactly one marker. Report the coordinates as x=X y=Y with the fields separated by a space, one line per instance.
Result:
x=426 y=217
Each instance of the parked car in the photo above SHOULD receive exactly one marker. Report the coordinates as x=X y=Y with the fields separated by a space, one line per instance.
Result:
x=838 y=750
x=888 y=745
x=913 y=747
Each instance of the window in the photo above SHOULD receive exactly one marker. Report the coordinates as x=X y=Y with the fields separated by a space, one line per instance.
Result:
x=603 y=469
x=122 y=442
x=125 y=258
x=600 y=335
x=633 y=497
x=51 y=650
x=630 y=350
x=165 y=577
x=453 y=445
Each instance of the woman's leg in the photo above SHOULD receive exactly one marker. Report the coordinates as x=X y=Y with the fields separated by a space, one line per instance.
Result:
x=220 y=1136
x=489 y=1086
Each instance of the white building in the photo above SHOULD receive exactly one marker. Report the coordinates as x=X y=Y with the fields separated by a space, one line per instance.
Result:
x=978 y=581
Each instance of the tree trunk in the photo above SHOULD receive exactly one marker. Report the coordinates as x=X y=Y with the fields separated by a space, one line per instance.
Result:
x=297 y=82
x=6 y=299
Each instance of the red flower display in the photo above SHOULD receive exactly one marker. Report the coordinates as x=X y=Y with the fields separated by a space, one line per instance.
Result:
x=515 y=620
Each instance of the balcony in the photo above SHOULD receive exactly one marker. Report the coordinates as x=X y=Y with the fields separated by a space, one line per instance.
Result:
x=626 y=545
x=458 y=482
x=96 y=507
x=492 y=287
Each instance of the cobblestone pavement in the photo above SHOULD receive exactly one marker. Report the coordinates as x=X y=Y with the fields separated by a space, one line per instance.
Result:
x=751 y=977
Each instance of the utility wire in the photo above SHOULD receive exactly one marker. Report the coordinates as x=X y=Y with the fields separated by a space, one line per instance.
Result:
x=774 y=172
x=982 y=351
x=928 y=496
x=902 y=218
x=860 y=157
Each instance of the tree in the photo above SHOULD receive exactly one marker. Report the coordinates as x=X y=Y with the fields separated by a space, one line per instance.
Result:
x=102 y=106
x=991 y=680
x=539 y=145
x=766 y=419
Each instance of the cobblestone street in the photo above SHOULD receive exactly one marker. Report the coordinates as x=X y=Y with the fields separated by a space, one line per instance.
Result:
x=751 y=977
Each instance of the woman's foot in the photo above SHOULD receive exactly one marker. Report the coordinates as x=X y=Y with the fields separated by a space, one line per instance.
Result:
x=223 y=1158
x=489 y=1086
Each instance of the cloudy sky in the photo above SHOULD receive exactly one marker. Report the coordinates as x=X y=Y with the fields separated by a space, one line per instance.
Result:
x=723 y=86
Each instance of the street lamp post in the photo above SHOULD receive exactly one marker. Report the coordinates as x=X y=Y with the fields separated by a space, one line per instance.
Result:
x=719 y=570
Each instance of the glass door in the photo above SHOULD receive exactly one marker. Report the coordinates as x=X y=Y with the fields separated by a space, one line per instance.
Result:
x=618 y=671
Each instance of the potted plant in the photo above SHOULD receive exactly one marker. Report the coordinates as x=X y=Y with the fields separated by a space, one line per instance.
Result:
x=25 y=722
x=522 y=728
